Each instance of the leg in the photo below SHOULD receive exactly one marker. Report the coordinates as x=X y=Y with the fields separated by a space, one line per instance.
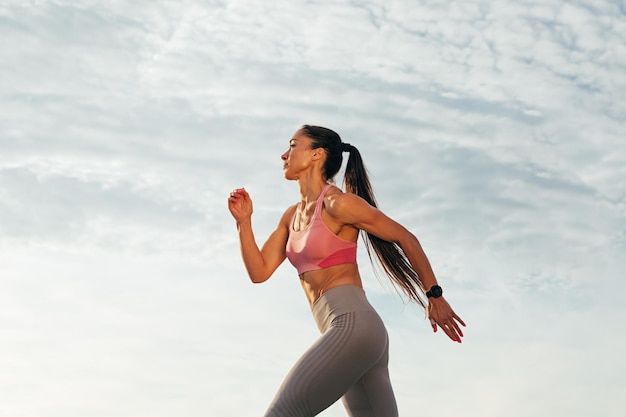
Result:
x=327 y=370
x=372 y=395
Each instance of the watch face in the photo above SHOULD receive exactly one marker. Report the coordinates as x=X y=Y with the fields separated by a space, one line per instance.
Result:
x=435 y=291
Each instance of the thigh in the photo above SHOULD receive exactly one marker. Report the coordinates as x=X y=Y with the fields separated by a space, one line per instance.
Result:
x=327 y=370
x=372 y=395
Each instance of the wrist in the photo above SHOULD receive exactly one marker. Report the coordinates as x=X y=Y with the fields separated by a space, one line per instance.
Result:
x=244 y=223
x=434 y=292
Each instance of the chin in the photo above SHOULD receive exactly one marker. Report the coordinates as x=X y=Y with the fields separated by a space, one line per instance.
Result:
x=287 y=175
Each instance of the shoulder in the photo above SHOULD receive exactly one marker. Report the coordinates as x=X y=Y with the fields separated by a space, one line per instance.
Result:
x=336 y=198
x=345 y=206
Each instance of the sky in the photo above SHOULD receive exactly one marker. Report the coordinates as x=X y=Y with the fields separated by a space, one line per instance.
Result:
x=494 y=131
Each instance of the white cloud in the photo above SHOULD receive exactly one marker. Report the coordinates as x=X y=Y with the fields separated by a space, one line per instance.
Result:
x=494 y=131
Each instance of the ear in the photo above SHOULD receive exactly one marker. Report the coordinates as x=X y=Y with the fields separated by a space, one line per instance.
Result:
x=318 y=153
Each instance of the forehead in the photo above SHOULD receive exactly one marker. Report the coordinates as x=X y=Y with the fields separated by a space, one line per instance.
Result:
x=299 y=136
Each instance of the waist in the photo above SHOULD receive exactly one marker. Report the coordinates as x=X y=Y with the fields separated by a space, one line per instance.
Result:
x=337 y=301
x=315 y=283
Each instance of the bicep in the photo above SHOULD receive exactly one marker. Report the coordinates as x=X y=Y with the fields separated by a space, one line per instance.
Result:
x=380 y=225
x=360 y=214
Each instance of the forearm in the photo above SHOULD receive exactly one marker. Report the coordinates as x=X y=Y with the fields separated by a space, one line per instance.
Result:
x=250 y=252
x=419 y=261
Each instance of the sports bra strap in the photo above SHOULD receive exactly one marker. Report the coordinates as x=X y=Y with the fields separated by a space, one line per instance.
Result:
x=320 y=200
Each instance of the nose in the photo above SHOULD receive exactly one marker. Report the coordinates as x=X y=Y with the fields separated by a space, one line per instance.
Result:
x=284 y=156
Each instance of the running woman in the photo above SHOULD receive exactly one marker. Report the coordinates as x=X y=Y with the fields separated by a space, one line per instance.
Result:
x=319 y=237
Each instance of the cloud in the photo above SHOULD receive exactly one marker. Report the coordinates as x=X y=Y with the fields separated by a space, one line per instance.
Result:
x=493 y=131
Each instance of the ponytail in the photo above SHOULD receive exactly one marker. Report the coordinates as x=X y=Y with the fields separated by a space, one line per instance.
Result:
x=356 y=180
x=390 y=256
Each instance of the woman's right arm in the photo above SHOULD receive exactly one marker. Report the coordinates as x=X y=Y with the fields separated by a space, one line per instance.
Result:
x=260 y=263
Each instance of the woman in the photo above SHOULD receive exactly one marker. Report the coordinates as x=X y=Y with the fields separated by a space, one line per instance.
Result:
x=318 y=236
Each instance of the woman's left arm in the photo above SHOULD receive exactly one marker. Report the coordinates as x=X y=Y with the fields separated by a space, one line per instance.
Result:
x=351 y=209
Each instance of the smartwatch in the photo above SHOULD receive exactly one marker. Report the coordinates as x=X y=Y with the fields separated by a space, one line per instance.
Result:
x=434 y=292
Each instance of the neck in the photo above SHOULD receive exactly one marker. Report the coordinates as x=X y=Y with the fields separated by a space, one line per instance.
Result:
x=310 y=188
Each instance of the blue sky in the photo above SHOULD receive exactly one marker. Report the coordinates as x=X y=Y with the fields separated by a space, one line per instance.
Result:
x=493 y=130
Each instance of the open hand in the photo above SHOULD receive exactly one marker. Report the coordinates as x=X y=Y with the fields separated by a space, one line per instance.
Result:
x=441 y=314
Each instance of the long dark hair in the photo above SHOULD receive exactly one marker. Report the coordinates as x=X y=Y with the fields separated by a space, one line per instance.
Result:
x=390 y=256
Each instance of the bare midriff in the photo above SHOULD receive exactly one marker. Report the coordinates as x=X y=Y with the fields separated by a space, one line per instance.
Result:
x=315 y=283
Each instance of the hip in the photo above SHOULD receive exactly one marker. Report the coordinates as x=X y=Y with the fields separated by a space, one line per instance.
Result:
x=341 y=300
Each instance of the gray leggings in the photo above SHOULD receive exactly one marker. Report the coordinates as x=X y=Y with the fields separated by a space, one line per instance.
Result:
x=348 y=361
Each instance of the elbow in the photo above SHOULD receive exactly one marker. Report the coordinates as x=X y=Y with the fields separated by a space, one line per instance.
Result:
x=257 y=273
x=258 y=279
x=408 y=241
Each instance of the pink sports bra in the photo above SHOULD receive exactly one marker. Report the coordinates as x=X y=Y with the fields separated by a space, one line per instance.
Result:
x=316 y=246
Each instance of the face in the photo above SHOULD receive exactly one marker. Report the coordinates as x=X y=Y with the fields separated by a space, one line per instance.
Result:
x=298 y=156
